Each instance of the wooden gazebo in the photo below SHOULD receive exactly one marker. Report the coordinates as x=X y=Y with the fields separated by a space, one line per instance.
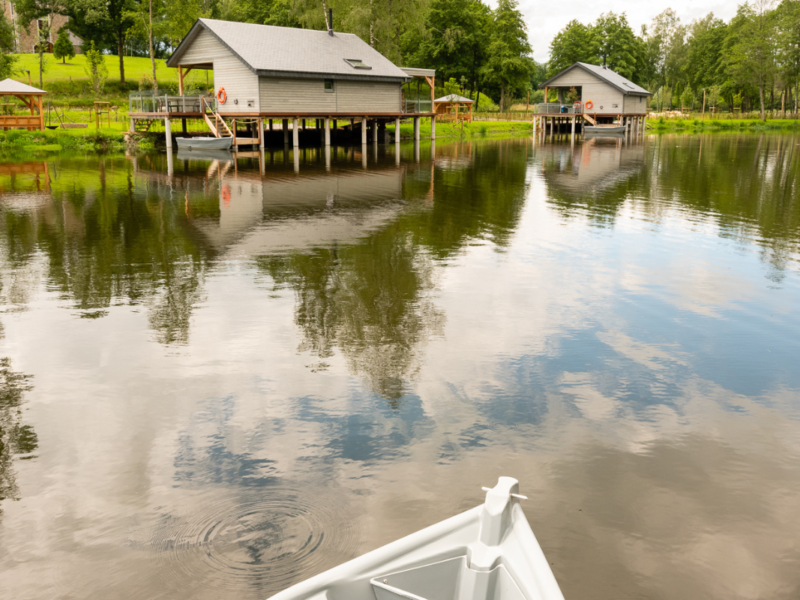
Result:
x=453 y=108
x=31 y=97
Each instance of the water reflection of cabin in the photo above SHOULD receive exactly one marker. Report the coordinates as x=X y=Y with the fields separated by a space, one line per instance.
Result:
x=453 y=108
x=591 y=169
x=604 y=96
x=267 y=72
x=261 y=213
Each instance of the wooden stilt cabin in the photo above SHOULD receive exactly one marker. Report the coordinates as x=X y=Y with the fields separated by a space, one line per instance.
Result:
x=603 y=96
x=267 y=72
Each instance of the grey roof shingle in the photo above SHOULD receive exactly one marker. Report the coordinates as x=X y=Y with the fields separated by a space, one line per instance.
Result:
x=270 y=50
x=618 y=81
x=9 y=86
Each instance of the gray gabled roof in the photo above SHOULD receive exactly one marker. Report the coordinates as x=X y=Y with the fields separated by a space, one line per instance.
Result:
x=614 y=79
x=454 y=98
x=9 y=86
x=280 y=51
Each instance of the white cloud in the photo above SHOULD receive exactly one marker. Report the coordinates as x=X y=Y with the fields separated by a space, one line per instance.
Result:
x=546 y=19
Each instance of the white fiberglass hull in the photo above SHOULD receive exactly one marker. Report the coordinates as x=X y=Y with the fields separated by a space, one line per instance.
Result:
x=487 y=553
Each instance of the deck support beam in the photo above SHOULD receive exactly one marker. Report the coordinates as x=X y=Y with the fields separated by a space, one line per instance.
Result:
x=327 y=127
x=433 y=128
x=416 y=129
x=374 y=131
x=168 y=132
x=295 y=133
x=397 y=130
x=285 y=127
x=364 y=124
x=260 y=133
x=573 y=125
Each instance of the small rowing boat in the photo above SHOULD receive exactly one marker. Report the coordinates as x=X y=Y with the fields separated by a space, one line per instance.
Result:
x=604 y=128
x=204 y=143
x=487 y=553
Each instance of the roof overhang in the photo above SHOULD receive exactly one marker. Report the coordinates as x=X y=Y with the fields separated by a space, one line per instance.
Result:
x=412 y=72
x=585 y=70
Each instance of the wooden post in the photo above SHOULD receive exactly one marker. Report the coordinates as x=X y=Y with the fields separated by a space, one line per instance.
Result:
x=41 y=116
x=397 y=130
x=260 y=122
x=433 y=127
x=180 y=80
x=328 y=135
x=168 y=132
x=374 y=132
x=285 y=127
x=573 y=125
x=295 y=133
x=416 y=128
x=364 y=124
x=527 y=103
x=704 y=104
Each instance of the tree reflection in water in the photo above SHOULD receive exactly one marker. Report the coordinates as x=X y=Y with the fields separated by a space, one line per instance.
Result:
x=740 y=187
x=15 y=437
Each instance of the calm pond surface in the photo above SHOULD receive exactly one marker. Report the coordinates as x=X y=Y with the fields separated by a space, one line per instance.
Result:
x=219 y=379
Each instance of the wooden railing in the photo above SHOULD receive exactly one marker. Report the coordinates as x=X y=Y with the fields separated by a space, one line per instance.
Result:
x=27 y=121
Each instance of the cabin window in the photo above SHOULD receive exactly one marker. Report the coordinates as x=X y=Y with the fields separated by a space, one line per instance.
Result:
x=329 y=85
x=357 y=63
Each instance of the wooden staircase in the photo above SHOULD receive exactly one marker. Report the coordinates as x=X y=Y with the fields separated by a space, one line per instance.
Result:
x=141 y=125
x=215 y=123
x=588 y=118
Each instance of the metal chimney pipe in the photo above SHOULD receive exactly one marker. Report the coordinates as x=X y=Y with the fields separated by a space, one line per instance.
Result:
x=330 y=21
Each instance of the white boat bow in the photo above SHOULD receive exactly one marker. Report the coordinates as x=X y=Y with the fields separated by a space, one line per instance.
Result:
x=487 y=553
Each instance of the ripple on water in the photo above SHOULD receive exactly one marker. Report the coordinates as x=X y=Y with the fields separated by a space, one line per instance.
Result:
x=270 y=541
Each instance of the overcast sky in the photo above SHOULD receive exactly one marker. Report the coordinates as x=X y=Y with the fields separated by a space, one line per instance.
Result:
x=545 y=18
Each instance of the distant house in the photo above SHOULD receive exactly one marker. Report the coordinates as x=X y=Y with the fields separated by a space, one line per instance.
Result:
x=600 y=90
x=26 y=41
x=269 y=70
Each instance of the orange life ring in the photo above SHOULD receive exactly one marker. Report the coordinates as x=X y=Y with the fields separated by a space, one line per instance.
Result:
x=589 y=104
x=222 y=95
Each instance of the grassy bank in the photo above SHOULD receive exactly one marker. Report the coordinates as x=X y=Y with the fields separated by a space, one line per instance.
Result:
x=16 y=142
x=467 y=130
x=706 y=125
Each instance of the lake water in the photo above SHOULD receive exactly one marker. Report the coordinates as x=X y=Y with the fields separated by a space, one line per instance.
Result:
x=219 y=379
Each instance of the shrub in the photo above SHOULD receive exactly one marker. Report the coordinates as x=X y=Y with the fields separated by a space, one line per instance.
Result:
x=96 y=68
x=145 y=83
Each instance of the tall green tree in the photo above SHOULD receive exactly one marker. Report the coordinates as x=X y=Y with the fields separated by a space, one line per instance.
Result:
x=39 y=12
x=455 y=40
x=572 y=44
x=510 y=63
x=704 y=66
x=789 y=45
x=7 y=59
x=616 y=46
x=105 y=22
x=751 y=54
x=658 y=44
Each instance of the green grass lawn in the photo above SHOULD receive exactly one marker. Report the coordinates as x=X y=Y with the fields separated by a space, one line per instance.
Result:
x=75 y=69
x=697 y=125
x=67 y=84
